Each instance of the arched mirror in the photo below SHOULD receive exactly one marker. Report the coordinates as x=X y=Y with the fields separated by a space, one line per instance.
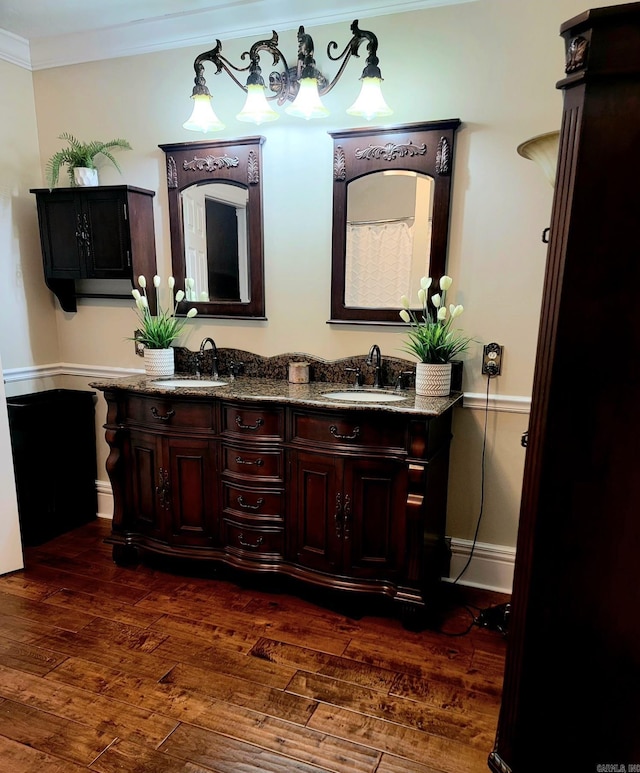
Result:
x=215 y=213
x=391 y=196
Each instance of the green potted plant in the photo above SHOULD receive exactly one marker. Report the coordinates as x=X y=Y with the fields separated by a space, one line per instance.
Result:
x=80 y=156
x=432 y=339
x=158 y=331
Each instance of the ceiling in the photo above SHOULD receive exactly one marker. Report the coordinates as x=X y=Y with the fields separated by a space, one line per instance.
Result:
x=39 y=33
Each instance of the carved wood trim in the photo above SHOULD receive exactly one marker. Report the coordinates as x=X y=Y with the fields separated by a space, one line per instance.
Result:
x=390 y=151
x=339 y=165
x=210 y=163
x=443 y=157
x=576 y=54
x=172 y=172
x=253 y=168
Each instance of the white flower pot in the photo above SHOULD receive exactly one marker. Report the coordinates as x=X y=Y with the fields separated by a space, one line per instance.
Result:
x=85 y=177
x=159 y=362
x=433 y=379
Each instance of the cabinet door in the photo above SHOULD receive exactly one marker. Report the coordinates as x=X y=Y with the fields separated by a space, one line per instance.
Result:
x=147 y=500
x=373 y=523
x=61 y=229
x=316 y=511
x=191 y=491
x=108 y=252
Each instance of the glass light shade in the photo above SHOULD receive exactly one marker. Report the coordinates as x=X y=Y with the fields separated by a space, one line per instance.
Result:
x=202 y=118
x=370 y=102
x=307 y=103
x=256 y=108
x=543 y=149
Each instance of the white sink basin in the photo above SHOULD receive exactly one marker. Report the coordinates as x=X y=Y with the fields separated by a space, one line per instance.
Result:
x=365 y=396
x=189 y=383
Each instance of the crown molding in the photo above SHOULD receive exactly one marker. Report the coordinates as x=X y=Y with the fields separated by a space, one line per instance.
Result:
x=15 y=49
x=199 y=28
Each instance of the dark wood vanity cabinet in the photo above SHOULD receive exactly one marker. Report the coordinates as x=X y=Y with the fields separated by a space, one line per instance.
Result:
x=349 y=492
x=348 y=500
x=103 y=233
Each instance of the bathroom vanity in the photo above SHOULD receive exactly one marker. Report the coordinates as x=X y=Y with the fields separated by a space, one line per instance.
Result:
x=271 y=477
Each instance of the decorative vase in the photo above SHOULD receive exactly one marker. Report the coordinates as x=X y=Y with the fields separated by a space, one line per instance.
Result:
x=85 y=177
x=433 y=379
x=159 y=362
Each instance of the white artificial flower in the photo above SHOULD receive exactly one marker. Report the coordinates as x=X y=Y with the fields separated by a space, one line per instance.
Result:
x=404 y=315
x=405 y=302
x=156 y=281
x=422 y=296
x=425 y=282
x=442 y=313
x=179 y=296
x=192 y=313
x=436 y=300
x=142 y=281
x=456 y=311
x=445 y=282
x=189 y=283
x=136 y=294
x=171 y=282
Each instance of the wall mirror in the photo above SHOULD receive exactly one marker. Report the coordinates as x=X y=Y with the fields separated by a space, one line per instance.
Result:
x=215 y=215
x=391 y=198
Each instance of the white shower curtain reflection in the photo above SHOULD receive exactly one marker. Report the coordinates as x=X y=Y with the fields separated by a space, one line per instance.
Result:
x=378 y=264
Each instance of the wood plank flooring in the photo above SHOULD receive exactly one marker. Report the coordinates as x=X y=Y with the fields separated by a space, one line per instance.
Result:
x=139 y=670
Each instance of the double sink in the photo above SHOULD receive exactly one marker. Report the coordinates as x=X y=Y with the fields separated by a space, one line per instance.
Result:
x=355 y=395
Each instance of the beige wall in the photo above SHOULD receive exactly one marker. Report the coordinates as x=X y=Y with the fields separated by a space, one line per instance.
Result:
x=494 y=65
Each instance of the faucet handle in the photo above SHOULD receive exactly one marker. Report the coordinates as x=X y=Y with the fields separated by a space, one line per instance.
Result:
x=400 y=383
x=235 y=368
x=359 y=379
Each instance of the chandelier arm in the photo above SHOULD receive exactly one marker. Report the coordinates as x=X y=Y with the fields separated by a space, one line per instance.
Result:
x=351 y=49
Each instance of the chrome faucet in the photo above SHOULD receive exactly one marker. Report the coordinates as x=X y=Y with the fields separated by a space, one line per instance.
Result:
x=375 y=359
x=214 y=357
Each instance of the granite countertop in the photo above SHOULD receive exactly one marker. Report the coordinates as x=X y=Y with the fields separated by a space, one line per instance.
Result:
x=279 y=390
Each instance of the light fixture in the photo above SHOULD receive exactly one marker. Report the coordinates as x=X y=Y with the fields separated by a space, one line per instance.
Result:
x=302 y=85
x=543 y=149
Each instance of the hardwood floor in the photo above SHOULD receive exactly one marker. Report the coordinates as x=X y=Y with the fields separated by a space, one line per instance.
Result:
x=107 y=669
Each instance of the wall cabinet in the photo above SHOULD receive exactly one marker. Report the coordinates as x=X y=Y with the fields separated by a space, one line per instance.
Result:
x=347 y=500
x=100 y=233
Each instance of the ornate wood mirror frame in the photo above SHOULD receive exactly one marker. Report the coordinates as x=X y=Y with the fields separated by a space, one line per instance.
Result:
x=422 y=148
x=237 y=163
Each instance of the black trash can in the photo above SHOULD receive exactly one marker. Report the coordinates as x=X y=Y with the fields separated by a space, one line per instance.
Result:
x=53 y=440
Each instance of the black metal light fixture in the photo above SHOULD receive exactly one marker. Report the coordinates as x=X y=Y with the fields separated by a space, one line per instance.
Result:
x=302 y=85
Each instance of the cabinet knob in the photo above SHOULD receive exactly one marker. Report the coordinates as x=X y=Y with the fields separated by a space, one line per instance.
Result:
x=157 y=415
x=245 y=544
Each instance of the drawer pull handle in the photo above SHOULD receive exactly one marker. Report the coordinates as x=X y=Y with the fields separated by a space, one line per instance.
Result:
x=257 y=425
x=257 y=462
x=244 y=544
x=334 y=431
x=247 y=506
x=160 y=417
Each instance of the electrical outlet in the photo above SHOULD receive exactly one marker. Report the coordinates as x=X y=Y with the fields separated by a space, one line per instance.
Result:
x=492 y=360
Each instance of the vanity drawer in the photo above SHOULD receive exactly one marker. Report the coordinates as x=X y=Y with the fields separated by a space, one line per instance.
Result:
x=251 y=503
x=165 y=412
x=366 y=431
x=252 y=421
x=253 y=464
x=259 y=542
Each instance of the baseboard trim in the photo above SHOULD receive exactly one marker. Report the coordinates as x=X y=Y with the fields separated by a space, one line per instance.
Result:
x=490 y=568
